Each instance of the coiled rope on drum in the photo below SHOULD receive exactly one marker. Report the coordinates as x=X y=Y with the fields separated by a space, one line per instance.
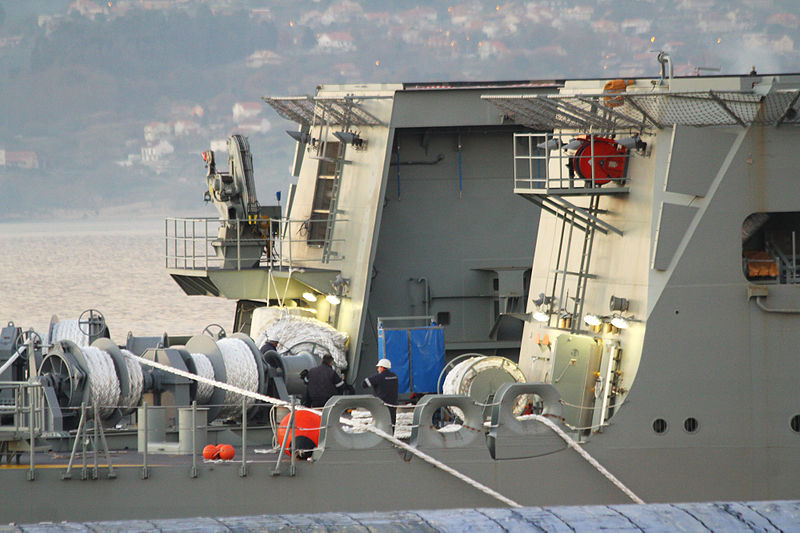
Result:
x=204 y=369
x=135 y=383
x=422 y=455
x=103 y=381
x=68 y=330
x=241 y=372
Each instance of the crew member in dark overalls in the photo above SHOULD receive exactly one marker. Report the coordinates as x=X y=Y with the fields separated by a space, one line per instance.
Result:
x=322 y=382
x=384 y=386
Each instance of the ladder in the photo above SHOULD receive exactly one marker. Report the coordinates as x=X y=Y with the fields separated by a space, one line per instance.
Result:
x=327 y=245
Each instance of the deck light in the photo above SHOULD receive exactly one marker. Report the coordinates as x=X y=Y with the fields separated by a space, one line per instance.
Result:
x=619 y=322
x=552 y=144
x=632 y=143
x=333 y=299
x=541 y=316
x=349 y=137
x=593 y=320
x=300 y=136
x=309 y=297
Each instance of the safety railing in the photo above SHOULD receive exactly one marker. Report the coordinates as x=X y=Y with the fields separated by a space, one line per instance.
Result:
x=28 y=417
x=568 y=163
x=209 y=243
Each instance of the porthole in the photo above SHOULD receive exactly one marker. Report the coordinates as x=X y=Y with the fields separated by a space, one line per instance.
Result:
x=659 y=425
x=795 y=423
x=691 y=425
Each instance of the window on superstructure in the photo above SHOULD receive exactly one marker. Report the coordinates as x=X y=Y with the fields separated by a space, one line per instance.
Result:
x=771 y=247
x=323 y=192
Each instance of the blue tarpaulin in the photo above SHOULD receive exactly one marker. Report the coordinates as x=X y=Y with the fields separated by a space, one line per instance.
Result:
x=417 y=356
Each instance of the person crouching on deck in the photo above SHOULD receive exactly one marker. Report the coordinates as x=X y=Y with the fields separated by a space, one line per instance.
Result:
x=384 y=386
x=322 y=382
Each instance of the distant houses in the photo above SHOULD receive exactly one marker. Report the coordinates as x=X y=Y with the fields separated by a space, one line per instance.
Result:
x=23 y=159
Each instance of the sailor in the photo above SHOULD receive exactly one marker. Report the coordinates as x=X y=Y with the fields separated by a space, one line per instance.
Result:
x=322 y=382
x=384 y=385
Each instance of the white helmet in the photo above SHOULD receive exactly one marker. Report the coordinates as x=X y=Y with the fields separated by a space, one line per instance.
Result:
x=385 y=363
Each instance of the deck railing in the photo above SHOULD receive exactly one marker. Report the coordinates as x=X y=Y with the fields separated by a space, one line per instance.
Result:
x=195 y=243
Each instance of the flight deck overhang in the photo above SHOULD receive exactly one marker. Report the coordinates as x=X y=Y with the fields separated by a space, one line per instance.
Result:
x=613 y=111
x=331 y=110
x=254 y=284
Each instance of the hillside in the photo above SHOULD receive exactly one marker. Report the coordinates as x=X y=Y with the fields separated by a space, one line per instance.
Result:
x=110 y=104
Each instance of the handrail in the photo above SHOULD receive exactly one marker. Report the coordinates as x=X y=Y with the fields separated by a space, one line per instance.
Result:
x=189 y=243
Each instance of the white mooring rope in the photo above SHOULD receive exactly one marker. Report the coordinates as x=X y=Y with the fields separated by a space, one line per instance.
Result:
x=68 y=330
x=204 y=369
x=103 y=381
x=240 y=370
x=135 y=383
x=425 y=457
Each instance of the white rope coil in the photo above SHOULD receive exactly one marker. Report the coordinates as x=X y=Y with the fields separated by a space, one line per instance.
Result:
x=68 y=330
x=206 y=370
x=459 y=379
x=135 y=384
x=103 y=381
x=241 y=372
x=292 y=330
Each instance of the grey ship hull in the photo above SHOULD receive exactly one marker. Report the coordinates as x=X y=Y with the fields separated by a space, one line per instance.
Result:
x=707 y=342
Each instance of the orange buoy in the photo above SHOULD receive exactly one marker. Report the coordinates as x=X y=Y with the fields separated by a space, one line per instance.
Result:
x=226 y=452
x=211 y=452
x=307 y=424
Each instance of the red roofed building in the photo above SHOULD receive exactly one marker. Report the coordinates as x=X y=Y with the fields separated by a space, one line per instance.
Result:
x=24 y=159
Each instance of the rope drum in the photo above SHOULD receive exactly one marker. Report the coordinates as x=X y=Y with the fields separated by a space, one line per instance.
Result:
x=67 y=330
x=103 y=381
x=204 y=369
x=241 y=372
x=135 y=384
x=478 y=377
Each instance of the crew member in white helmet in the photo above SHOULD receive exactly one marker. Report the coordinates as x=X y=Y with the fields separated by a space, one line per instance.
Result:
x=384 y=386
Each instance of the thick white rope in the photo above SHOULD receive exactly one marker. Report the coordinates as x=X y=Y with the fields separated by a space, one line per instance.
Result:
x=206 y=370
x=425 y=457
x=135 y=384
x=241 y=372
x=68 y=330
x=103 y=381
x=13 y=358
x=591 y=460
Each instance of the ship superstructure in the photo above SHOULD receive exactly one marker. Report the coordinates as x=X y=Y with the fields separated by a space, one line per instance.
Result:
x=631 y=243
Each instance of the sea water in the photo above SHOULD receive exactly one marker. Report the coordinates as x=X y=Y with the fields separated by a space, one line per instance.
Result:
x=114 y=266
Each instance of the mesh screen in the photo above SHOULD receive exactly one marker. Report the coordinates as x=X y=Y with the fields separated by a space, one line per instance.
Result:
x=613 y=111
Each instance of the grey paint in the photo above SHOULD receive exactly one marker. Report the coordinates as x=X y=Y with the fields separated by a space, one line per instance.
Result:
x=435 y=236
x=673 y=223
x=684 y=175
x=452 y=108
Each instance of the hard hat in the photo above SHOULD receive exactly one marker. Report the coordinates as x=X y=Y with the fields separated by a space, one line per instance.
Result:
x=385 y=363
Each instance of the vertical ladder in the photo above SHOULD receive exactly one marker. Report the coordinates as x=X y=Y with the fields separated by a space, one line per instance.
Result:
x=327 y=252
x=583 y=270
x=562 y=274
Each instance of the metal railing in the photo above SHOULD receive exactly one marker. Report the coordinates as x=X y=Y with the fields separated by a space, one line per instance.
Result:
x=29 y=418
x=199 y=243
x=557 y=164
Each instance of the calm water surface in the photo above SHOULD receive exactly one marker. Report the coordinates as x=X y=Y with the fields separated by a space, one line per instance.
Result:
x=116 y=267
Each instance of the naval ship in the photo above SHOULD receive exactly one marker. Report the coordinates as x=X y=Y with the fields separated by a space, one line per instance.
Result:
x=594 y=280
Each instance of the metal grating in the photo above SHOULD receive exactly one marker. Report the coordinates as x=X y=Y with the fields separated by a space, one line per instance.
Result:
x=308 y=110
x=646 y=110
